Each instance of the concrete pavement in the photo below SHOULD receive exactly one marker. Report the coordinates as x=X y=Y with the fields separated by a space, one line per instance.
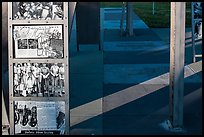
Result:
x=124 y=89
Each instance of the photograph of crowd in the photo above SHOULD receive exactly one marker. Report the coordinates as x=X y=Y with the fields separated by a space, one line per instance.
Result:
x=31 y=117
x=37 y=10
x=38 y=41
x=38 y=79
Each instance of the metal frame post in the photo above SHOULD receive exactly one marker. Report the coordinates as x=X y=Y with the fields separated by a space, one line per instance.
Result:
x=193 y=31
x=152 y=8
x=177 y=51
x=122 y=18
x=129 y=19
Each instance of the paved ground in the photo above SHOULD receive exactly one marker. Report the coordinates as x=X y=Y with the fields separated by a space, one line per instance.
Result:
x=131 y=61
x=116 y=85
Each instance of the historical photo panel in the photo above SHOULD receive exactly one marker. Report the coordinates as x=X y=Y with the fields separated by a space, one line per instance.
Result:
x=38 y=41
x=38 y=79
x=37 y=10
x=198 y=17
x=37 y=117
x=198 y=30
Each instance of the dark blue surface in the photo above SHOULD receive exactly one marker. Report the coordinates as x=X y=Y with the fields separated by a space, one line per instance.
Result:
x=132 y=118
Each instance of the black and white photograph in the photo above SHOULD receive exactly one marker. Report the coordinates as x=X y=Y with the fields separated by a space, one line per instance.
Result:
x=37 y=10
x=198 y=10
x=38 y=41
x=35 y=117
x=198 y=17
x=38 y=79
x=198 y=30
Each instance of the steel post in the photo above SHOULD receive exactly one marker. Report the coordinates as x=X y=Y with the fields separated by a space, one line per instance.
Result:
x=177 y=51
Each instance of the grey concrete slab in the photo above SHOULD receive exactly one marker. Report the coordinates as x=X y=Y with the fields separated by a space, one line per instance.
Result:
x=139 y=46
x=112 y=17
x=123 y=97
x=139 y=35
x=147 y=119
x=92 y=126
x=84 y=79
x=131 y=57
x=164 y=33
x=86 y=131
x=115 y=14
x=85 y=88
x=115 y=24
x=155 y=85
x=196 y=67
x=92 y=108
x=75 y=120
x=132 y=73
x=89 y=47
x=87 y=62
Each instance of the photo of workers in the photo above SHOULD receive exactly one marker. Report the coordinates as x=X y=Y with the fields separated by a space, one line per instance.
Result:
x=38 y=79
x=37 y=10
x=38 y=41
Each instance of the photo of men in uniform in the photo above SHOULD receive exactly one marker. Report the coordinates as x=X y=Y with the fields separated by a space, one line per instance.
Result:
x=38 y=80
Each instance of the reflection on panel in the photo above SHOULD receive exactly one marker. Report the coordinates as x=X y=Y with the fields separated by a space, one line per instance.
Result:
x=37 y=10
x=35 y=117
x=38 y=41
x=38 y=79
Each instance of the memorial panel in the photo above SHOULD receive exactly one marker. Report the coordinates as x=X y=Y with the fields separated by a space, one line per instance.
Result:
x=38 y=41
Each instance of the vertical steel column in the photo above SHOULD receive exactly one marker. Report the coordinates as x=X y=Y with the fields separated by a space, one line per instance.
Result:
x=67 y=67
x=71 y=14
x=122 y=18
x=10 y=67
x=193 y=31
x=177 y=51
x=129 y=19
x=153 y=8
